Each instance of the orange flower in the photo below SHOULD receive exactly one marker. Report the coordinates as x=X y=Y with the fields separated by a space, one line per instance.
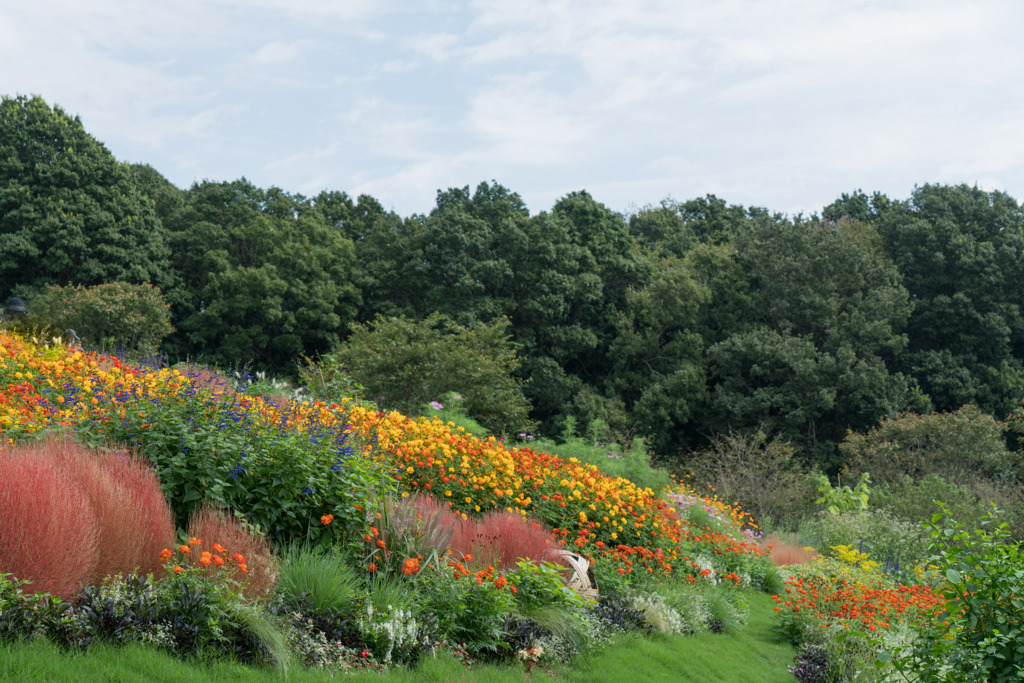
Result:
x=218 y=560
x=195 y=541
x=218 y=548
x=165 y=554
x=411 y=566
x=326 y=519
x=381 y=543
x=372 y=567
x=184 y=548
x=239 y=558
x=178 y=569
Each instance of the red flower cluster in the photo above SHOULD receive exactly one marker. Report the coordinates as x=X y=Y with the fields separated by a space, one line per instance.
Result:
x=849 y=603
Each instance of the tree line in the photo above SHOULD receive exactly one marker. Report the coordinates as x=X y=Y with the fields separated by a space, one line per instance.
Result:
x=675 y=322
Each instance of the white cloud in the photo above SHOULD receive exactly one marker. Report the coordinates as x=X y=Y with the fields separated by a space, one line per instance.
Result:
x=784 y=104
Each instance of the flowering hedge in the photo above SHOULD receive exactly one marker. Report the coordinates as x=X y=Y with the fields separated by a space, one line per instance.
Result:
x=51 y=387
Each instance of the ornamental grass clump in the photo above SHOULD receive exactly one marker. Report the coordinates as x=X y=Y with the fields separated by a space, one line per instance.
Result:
x=152 y=521
x=502 y=539
x=49 y=534
x=257 y=574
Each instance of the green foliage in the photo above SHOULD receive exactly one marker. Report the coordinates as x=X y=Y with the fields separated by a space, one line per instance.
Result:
x=632 y=463
x=206 y=448
x=896 y=544
x=960 y=251
x=978 y=635
x=759 y=473
x=540 y=584
x=840 y=499
x=962 y=445
x=404 y=364
x=113 y=316
x=325 y=379
x=919 y=500
x=468 y=613
x=69 y=212
x=262 y=277
x=811 y=359
x=322 y=578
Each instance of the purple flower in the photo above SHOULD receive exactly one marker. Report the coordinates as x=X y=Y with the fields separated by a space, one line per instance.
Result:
x=436 y=406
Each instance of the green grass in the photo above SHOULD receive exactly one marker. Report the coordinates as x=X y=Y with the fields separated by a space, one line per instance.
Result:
x=754 y=654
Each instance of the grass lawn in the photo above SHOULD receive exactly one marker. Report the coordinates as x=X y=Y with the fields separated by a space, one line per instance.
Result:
x=753 y=654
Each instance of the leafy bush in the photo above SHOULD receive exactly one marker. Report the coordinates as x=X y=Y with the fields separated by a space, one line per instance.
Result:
x=324 y=378
x=896 y=544
x=16 y=615
x=977 y=636
x=961 y=445
x=405 y=364
x=116 y=315
x=540 y=585
x=469 y=613
x=916 y=500
x=278 y=469
x=761 y=474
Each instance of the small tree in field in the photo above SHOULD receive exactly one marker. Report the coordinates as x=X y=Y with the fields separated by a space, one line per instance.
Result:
x=404 y=364
x=114 y=315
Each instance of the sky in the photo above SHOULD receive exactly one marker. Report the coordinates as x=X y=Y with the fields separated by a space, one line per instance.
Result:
x=784 y=104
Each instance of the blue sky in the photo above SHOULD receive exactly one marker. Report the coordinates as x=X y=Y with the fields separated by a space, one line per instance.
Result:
x=783 y=103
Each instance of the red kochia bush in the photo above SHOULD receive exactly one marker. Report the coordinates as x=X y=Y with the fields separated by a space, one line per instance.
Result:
x=783 y=553
x=49 y=534
x=110 y=502
x=151 y=519
x=211 y=525
x=105 y=510
x=502 y=538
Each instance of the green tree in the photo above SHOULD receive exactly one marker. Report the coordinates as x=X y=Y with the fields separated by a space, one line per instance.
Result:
x=826 y=322
x=69 y=212
x=403 y=364
x=960 y=251
x=262 y=277
x=115 y=315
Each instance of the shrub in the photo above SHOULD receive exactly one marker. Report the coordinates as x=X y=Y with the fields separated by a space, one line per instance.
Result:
x=404 y=364
x=961 y=445
x=112 y=315
x=152 y=521
x=502 y=538
x=49 y=534
x=916 y=500
x=894 y=543
x=978 y=634
x=212 y=525
x=111 y=505
x=759 y=473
